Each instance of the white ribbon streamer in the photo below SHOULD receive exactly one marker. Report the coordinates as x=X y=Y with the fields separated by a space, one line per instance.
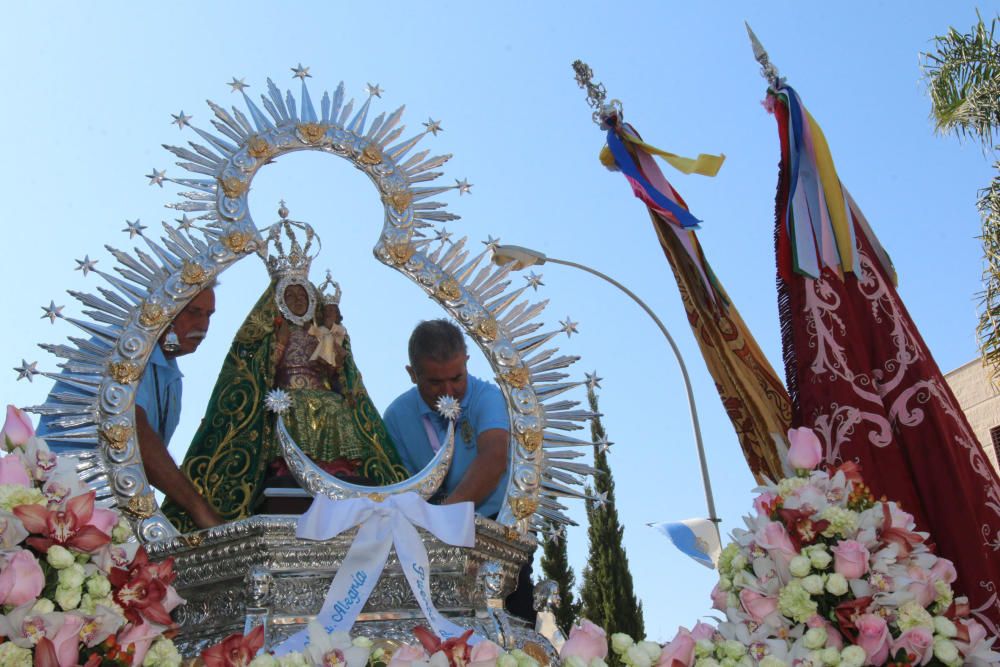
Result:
x=383 y=525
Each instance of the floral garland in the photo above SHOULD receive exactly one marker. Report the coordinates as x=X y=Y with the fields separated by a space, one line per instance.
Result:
x=73 y=589
x=825 y=575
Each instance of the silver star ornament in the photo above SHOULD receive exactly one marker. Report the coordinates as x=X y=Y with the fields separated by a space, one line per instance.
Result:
x=237 y=85
x=491 y=243
x=278 y=401
x=374 y=90
x=569 y=327
x=463 y=186
x=534 y=280
x=86 y=264
x=134 y=228
x=433 y=126
x=157 y=177
x=26 y=370
x=52 y=311
x=181 y=120
x=593 y=382
x=301 y=72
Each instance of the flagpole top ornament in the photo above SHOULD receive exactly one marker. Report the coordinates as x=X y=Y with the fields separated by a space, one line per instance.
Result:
x=596 y=96
x=767 y=68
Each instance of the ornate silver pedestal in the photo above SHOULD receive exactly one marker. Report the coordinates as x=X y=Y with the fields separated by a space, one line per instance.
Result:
x=256 y=571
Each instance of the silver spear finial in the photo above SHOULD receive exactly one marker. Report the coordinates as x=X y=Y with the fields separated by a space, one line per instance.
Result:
x=596 y=95
x=767 y=68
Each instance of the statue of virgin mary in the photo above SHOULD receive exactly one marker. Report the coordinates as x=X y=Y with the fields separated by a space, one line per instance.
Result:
x=293 y=340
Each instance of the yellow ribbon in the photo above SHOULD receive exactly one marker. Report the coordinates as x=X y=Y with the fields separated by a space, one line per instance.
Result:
x=833 y=194
x=329 y=340
x=704 y=164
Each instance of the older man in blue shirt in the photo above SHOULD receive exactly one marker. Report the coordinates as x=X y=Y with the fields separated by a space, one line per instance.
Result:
x=437 y=367
x=158 y=409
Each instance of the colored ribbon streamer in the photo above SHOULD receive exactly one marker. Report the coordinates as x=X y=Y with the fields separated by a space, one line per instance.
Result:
x=643 y=188
x=383 y=525
x=703 y=165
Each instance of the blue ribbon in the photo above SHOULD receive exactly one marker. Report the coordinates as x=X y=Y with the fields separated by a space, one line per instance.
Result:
x=630 y=169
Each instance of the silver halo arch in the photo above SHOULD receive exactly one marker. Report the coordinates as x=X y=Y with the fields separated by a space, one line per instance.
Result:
x=150 y=289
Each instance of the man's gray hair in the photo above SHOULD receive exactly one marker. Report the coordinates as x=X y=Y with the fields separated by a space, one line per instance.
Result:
x=436 y=340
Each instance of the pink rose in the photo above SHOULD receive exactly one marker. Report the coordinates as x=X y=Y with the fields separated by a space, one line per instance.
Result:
x=921 y=585
x=104 y=520
x=679 y=652
x=586 y=641
x=702 y=631
x=758 y=606
x=67 y=640
x=484 y=653
x=17 y=429
x=406 y=654
x=720 y=599
x=850 y=558
x=21 y=579
x=873 y=637
x=918 y=642
x=12 y=471
x=944 y=570
x=804 y=451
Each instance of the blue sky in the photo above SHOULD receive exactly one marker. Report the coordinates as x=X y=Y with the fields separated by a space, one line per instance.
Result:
x=91 y=86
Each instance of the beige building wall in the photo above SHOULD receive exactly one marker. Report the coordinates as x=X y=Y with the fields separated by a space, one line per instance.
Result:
x=980 y=401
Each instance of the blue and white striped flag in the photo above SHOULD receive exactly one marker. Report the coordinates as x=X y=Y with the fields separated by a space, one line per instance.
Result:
x=698 y=538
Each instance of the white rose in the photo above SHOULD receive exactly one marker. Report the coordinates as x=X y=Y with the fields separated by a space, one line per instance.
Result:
x=67 y=598
x=830 y=656
x=264 y=660
x=946 y=651
x=620 y=642
x=293 y=660
x=813 y=584
x=772 y=661
x=636 y=657
x=652 y=649
x=739 y=562
x=800 y=566
x=814 y=638
x=734 y=649
x=944 y=627
x=43 y=606
x=507 y=660
x=703 y=648
x=98 y=586
x=121 y=532
x=707 y=662
x=59 y=557
x=836 y=584
x=725 y=583
x=597 y=662
x=362 y=642
x=523 y=659
x=820 y=557
x=853 y=656
x=72 y=576
x=571 y=661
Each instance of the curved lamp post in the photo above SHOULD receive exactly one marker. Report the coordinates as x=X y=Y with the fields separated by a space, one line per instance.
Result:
x=525 y=257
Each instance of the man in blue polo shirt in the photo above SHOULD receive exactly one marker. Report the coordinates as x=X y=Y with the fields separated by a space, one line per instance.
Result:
x=437 y=367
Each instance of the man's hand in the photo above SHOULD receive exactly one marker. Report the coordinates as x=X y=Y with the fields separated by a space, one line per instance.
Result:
x=485 y=471
x=164 y=474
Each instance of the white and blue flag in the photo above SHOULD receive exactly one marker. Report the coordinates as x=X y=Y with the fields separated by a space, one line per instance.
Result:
x=697 y=538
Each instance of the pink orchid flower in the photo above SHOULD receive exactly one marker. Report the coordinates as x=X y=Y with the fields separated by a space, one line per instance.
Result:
x=235 y=650
x=71 y=528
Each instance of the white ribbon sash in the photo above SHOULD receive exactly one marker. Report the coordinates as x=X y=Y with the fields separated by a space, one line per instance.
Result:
x=383 y=525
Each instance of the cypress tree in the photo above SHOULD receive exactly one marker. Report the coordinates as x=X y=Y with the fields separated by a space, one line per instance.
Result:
x=555 y=566
x=607 y=592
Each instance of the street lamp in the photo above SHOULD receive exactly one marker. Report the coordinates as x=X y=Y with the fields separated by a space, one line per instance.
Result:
x=522 y=258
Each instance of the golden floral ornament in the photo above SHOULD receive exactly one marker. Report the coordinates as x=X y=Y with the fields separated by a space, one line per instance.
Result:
x=530 y=440
x=487 y=328
x=237 y=241
x=151 y=314
x=371 y=154
x=535 y=650
x=233 y=187
x=377 y=497
x=448 y=290
x=142 y=506
x=193 y=273
x=523 y=507
x=116 y=434
x=257 y=147
x=193 y=539
x=400 y=253
x=399 y=200
x=516 y=377
x=311 y=133
x=124 y=372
